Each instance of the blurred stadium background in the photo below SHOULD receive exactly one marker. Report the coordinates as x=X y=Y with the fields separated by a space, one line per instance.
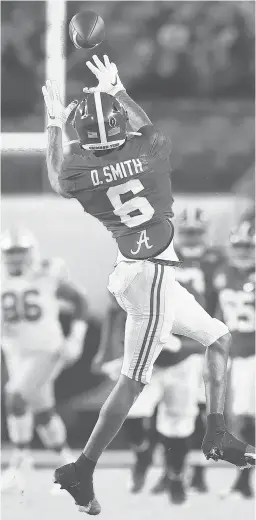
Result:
x=191 y=66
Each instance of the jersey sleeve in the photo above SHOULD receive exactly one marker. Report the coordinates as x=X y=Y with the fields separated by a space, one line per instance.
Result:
x=72 y=166
x=73 y=172
x=58 y=270
x=153 y=142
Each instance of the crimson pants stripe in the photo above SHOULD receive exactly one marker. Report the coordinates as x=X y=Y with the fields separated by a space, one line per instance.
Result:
x=157 y=315
x=151 y=315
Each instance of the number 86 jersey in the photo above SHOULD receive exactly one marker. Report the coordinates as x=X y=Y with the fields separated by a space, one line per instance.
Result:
x=30 y=311
x=128 y=190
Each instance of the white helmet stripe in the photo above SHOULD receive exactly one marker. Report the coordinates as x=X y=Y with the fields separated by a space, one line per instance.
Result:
x=100 y=117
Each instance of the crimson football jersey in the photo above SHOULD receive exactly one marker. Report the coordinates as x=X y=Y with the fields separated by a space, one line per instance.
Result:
x=236 y=306
x=196 y=275
x=128 y=190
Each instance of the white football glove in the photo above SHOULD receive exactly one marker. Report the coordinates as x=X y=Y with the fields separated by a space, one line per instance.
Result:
x=57 y=113
x=107 y=74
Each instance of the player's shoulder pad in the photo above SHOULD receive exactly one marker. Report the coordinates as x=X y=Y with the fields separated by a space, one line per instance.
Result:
x=56 y=268
x=75 y=158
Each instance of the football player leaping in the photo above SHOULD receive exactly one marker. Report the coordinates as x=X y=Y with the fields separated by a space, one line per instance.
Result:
x=34 y=347
x=235 y=284
x=124 y=181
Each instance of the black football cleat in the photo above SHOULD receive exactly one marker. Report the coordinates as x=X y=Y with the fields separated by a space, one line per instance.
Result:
x=81 y=490
x=161 y=486
x=176 y=491
x=222 y=445
x=245 y=490
x=239 y=491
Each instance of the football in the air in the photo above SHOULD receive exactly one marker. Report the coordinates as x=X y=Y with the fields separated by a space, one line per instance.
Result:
x=86 y=30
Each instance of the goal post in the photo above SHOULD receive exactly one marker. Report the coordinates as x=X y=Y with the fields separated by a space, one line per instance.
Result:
x=55 y=68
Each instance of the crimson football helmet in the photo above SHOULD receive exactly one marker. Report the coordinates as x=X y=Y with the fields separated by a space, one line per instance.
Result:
x=100 y=122
x=192 y=227
x=19 y=250
x=242 y=245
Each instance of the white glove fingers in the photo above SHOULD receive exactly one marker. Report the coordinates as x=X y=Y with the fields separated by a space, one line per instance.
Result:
x=48 y=84
x=45 y=94
x=47 y=100
x=106 y=61
x=99 y=64
x=114 y=68
x=94 y=69
x=56 y=90
x=49 y=89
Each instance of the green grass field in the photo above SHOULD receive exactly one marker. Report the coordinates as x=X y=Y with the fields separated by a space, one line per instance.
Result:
x=36 y=502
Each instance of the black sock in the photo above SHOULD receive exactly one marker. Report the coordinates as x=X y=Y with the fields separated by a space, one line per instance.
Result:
x=135 y=431
x=242 y=479
x=248 y=430
x=84 y=466
x=199 y=471
x=199 y=431
x=176 y=450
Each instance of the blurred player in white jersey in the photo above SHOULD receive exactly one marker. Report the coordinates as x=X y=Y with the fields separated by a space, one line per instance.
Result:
x=35 y=350
x=235 y=284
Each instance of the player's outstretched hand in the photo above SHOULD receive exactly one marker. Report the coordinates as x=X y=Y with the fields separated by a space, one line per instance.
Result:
x=219 y=444
x=56 y=112
x=107 y=75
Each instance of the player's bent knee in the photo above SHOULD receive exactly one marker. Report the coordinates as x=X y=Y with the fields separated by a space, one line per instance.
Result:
x=53 y=432
x=219 y=332
x=44 y=417
x=15 y=404
x=224 y=340
x=132 y=386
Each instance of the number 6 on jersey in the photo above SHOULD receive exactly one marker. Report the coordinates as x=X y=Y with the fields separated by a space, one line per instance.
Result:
x=125 y=210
